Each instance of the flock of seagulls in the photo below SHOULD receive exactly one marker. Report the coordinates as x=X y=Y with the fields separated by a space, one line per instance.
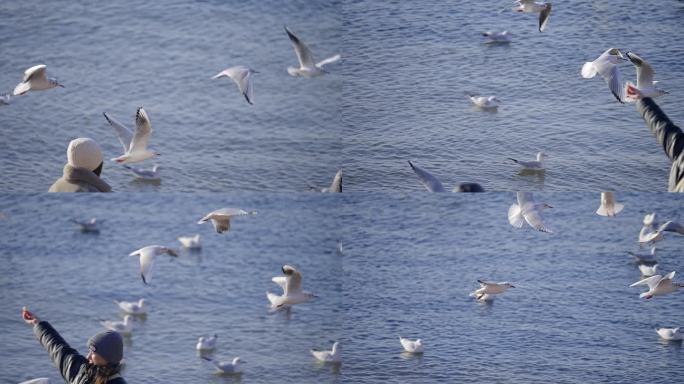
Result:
x=135 y=142
x=607 y=65
x=290 y=282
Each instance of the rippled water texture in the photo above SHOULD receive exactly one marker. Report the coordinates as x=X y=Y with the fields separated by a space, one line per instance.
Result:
x=411 y=262
x=71 y=278
x=116 y=56
x=409 y=64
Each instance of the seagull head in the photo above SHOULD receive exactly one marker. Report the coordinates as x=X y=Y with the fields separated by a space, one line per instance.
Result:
x=237 y=361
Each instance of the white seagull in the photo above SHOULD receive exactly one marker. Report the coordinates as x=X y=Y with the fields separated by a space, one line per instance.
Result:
x=307 y=68
x=146 y=174
x=530 y=6
x=206 y=343
x=220 y=218
x=645 y=86
x=411 y=346
x=35 y=79
x=648 y=228
x=190 y=242
x=671 y=334
x=496 y=37
x=133 y=307
x=533 y=165
x=134 y=146
x=484 y=102
x=657 y=235
x=490 y=288
x=332 y=356
x=87 y=226
x=229 y=367
x=607 y=66
x=658 y=285
x=526 y=210
x=431 y=183
x=291 y=284
x=648 y=270
x=242 y=76
x=609 y=207
x=147 y=256
x=124 y=327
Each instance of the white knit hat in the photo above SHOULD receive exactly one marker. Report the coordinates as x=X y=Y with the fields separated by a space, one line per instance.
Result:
x=84 y=153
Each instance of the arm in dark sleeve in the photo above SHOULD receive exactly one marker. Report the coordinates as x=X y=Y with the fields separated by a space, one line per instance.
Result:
x=67 y=359
x=666 y=132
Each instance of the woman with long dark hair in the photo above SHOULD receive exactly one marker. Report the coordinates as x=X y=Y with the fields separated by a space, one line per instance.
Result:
x=100 y=366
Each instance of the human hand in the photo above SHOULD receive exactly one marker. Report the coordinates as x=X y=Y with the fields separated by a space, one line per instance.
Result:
x=29 y=317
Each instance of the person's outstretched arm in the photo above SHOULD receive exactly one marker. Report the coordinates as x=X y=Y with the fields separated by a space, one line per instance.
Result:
x=667 y=133
x=669 y=136
x=68 y=360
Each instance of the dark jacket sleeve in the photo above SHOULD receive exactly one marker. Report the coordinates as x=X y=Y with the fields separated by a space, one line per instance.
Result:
x=669 y=136
x=667 y=133
x=68 y=360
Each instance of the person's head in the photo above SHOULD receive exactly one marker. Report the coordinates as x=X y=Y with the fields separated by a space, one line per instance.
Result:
x=105 y=348
x=85 y=153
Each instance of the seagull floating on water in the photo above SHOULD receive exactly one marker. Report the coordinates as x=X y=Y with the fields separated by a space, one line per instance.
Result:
x=526 y=210
x=497 y=37
x=147 y=256
x=490 y=288
x=35 y=79
x=658 y=285
x=609 y=207
x=88 y=226
x=146 y=174
x=484 y=102
x=307 y=68
x=230 y=367
x=645 y=86
x=134 y=146
x=335 y=186
x=530 y=6
x=206 y=343
x=242 y=76
x=124 y=327
x=332 y=356
x=291 y=284
x=607 y=66
x=133 y=307
x=670 y=334
x=220 y=218
x=190 y=242
x=411 y=345
x=533 y=165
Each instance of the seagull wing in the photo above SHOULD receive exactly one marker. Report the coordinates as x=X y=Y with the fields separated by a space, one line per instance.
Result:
x=644 y=71
x=535 y=221
x=245 y=85
x=329 y=60
x=611 y=74
x=430 y=182
x=515 y=217
x=143 y=131
x=36 y=72
x=650 y=281
x=544 y=17
x=336 y=185
x=122 y=133
x=294 y=280
x=281 y=281
x=146 y=263
x=303 y=52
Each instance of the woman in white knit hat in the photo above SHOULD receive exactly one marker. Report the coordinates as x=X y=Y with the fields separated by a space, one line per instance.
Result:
x=82 y=171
